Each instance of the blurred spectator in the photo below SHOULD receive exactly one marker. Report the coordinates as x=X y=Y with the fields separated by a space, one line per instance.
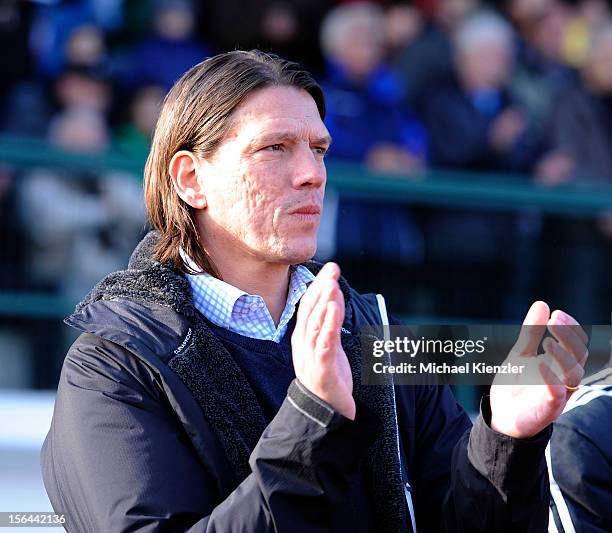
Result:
x=64 y=39
x=82 y=87
x=59 y=27
x=79 y=225
x=404 y=24
x=81 y=79
x=169 y=51
x=80 y=128
x=368 y=124
x=75 y=226
x=580 y=146
x=475 y=123
x=541 y=62
x=580 y=130
x=364 y=96
x=86 y=48
x=425 y=60
x=134 y=137
x=29 y=108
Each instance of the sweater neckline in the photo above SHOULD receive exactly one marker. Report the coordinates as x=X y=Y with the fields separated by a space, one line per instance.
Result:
x=257 y=345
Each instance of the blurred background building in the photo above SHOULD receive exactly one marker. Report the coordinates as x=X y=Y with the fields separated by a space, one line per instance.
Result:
x=470 y=172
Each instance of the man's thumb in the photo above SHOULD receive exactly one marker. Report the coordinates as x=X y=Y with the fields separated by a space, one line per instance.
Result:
x=533 y=329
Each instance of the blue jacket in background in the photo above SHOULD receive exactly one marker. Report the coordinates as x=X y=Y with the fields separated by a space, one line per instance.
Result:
x=360 y=117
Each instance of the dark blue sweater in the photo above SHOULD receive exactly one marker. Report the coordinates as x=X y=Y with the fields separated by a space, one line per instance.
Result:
x=268 y=367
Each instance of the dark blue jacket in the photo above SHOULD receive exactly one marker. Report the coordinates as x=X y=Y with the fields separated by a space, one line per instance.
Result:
x=359 y=117
x=459 y=126
x=156 y=429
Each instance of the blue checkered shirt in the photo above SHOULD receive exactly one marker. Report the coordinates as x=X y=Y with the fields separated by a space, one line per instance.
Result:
x=243 y=313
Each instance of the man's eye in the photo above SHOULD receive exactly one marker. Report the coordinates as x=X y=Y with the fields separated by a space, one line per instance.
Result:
x=274 y=147
x=321 y=150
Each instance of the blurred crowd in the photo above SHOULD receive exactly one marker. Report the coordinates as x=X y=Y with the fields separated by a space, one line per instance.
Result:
x=517 y=87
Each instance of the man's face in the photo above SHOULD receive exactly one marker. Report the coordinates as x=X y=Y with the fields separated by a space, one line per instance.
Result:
x=486 y=67
x=264 y=185
x=363 y=48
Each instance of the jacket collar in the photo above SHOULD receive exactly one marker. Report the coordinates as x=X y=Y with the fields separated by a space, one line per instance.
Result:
x=149 y=281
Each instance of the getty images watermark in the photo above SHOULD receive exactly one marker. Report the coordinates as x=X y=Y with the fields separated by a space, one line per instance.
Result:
x=433 y=348
x=465 y=354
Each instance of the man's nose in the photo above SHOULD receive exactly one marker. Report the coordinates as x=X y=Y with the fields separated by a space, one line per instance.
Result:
x=308 y=169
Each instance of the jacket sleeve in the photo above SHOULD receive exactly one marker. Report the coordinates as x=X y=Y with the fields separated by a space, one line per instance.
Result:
x=474 y=479
x=116 y=458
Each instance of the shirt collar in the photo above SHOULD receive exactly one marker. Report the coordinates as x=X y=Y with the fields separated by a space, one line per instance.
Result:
x=216 y=299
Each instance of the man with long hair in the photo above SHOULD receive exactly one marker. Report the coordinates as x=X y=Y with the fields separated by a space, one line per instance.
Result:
x=216 y=384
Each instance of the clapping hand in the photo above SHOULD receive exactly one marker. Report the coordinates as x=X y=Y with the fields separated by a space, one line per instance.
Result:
x=318 y=357
x=522 y=410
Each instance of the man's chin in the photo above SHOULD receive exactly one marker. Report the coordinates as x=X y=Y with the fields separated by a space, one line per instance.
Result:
x=298 y=259
x=296 y=254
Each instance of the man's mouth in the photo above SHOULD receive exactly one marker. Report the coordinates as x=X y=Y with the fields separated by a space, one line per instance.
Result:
x=311 y=209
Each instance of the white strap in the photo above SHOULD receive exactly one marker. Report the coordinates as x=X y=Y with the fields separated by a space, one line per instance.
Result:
x=382 y=309
x=557 y=496
x=552 y=526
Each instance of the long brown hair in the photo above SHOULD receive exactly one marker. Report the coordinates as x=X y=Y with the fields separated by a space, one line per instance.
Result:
x=196 y=115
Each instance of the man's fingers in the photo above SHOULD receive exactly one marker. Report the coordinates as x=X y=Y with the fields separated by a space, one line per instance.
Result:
x=533 y=329
x=556 y=388
x=312 y=294
x=338 y=297
x=570 y=338
x=330 y=331
x=559 y=317
x=330 y=293
x=570 y=369
x=315 y=320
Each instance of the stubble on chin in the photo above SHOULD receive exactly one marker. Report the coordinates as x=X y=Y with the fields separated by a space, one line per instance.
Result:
x=296 y=253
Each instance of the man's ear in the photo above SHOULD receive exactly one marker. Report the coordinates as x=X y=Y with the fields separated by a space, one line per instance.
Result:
x=183 y=171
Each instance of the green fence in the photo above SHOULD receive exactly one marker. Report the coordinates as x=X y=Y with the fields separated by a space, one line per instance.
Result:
x=434 y=188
